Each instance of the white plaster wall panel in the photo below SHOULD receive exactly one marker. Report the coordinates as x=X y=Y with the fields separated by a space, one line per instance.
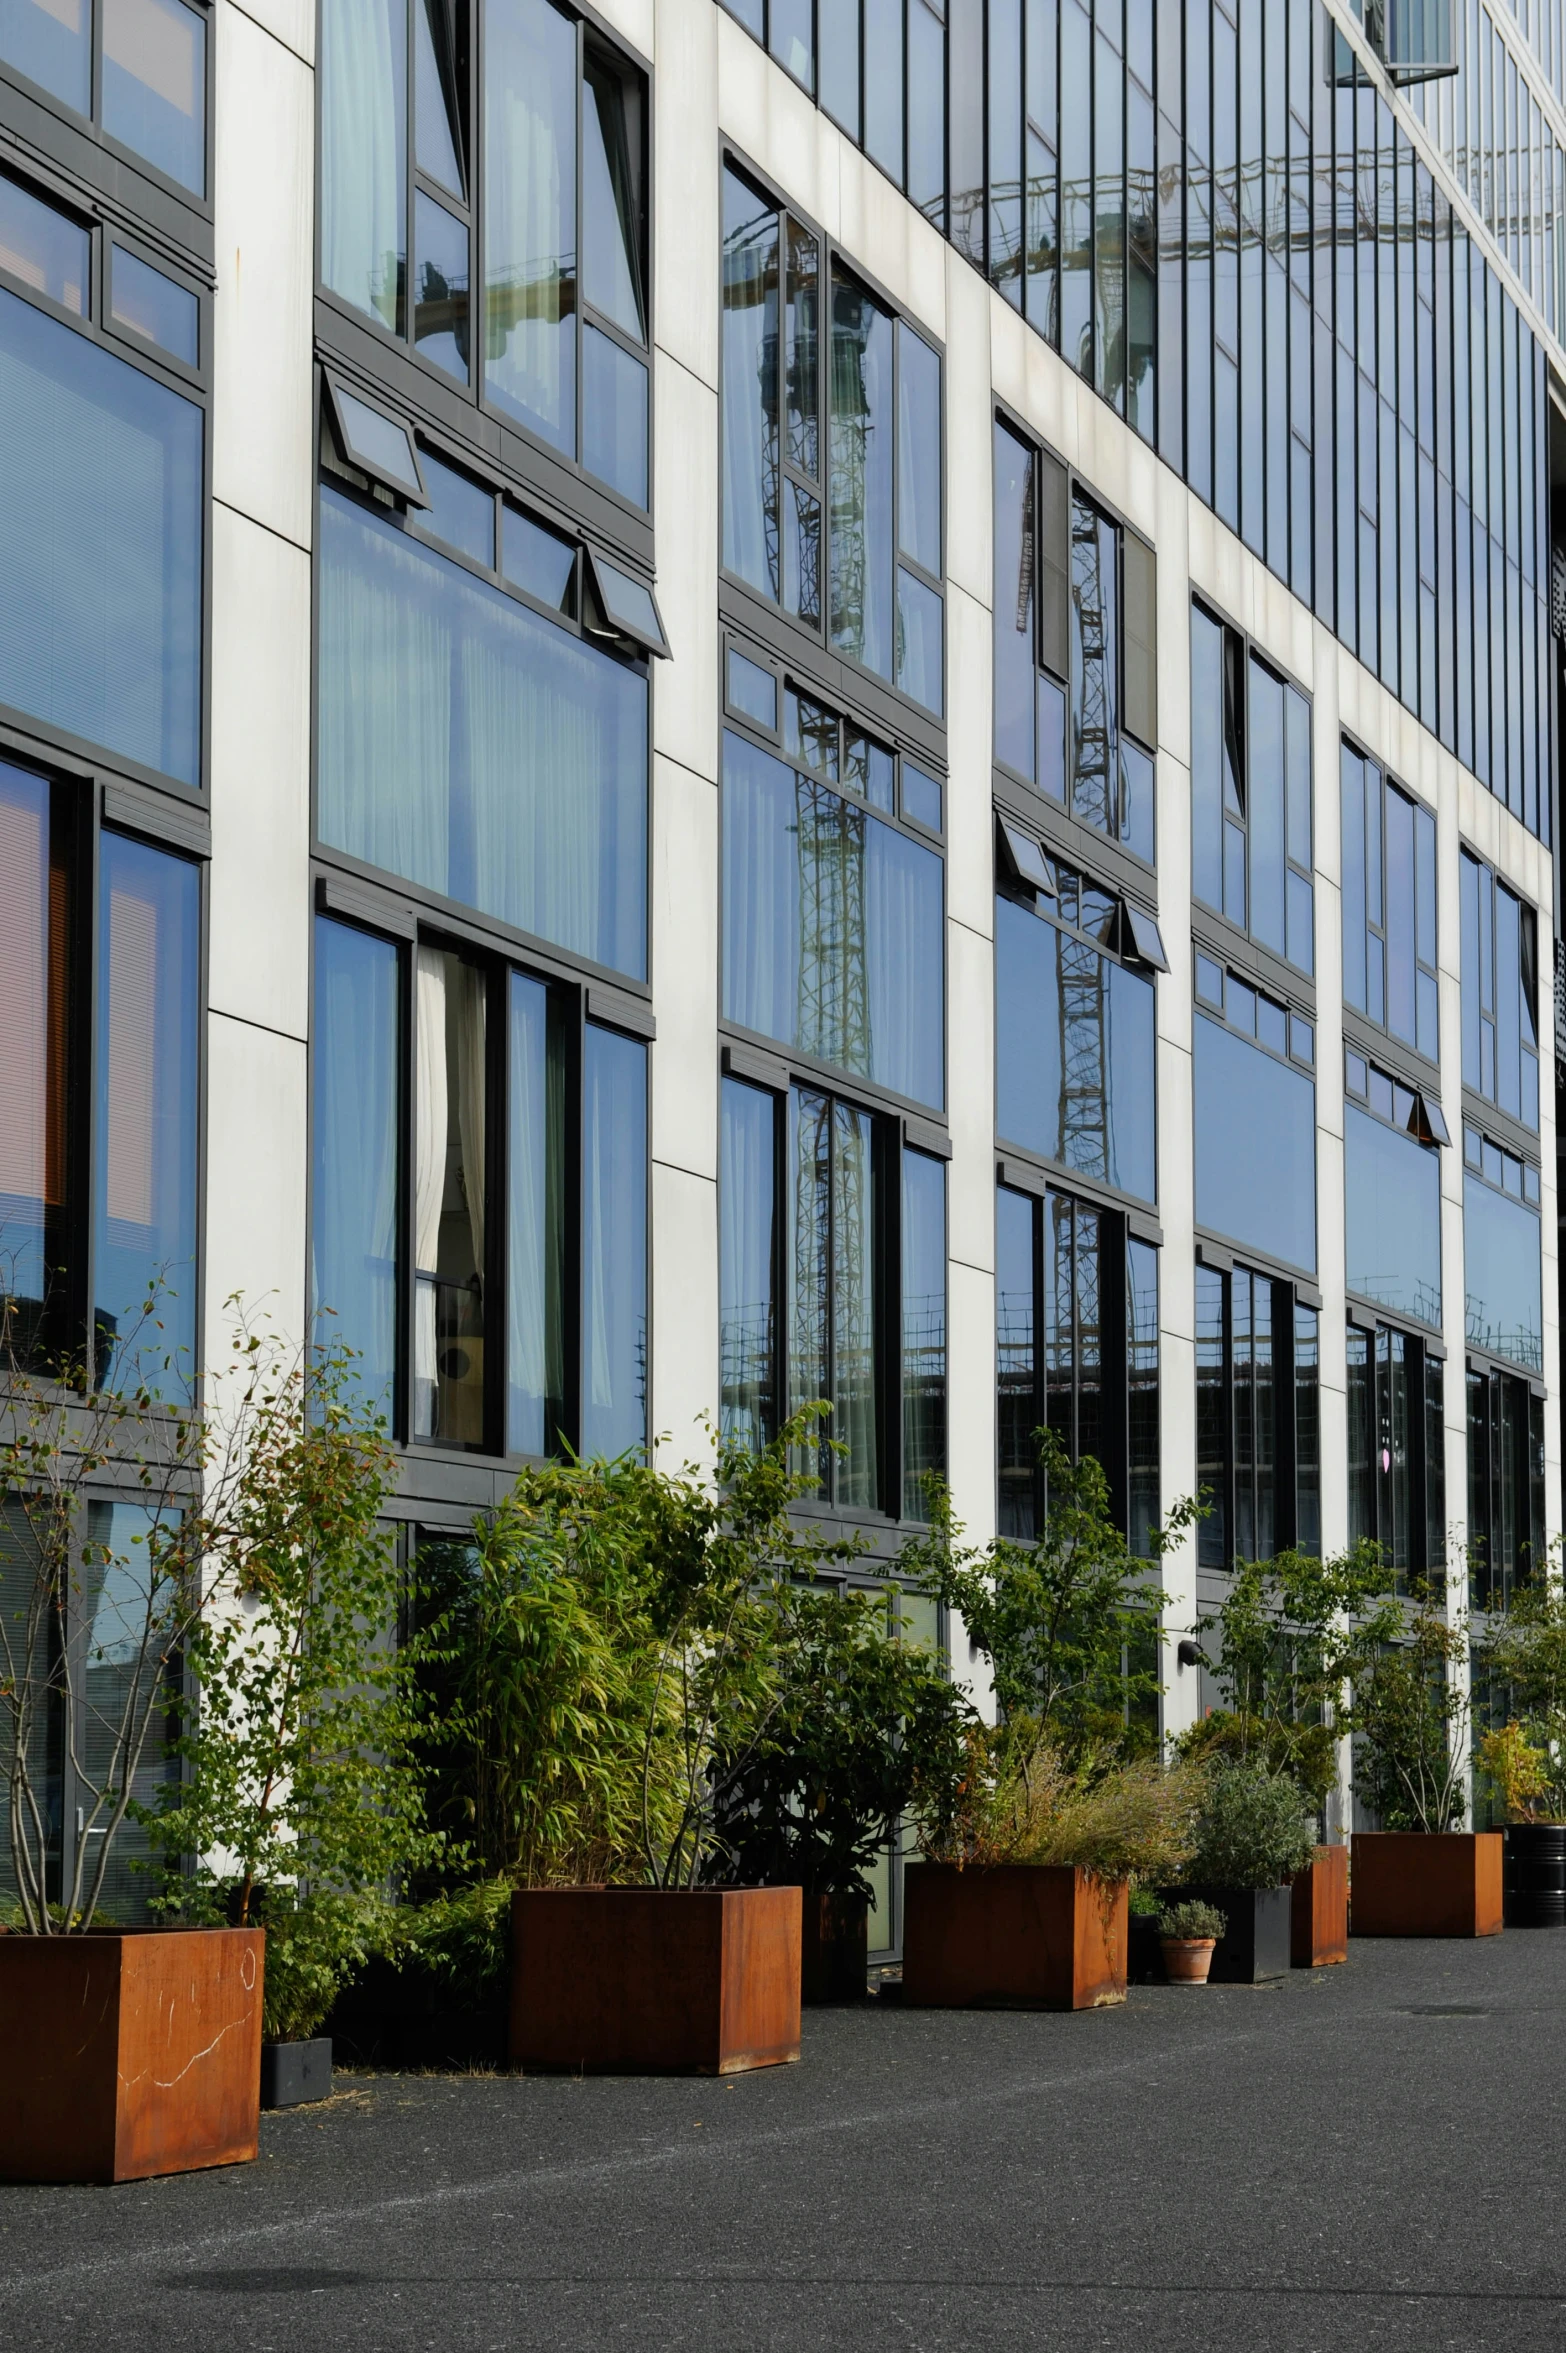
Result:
x=257 y=1131
x=970 y=1197
x=1326 y=822
x=890 y=241
x=970 y=690
x=770 y=118
x=1012 y=345
x=684 y=1350
x=637 y=22
x=685 y=500
x=970 y=1389
x=292 y=22
x=970 y=497
x=264 y=148
x=685 y=969
x=687 y=211
x=260 y=890
x=1171 y=540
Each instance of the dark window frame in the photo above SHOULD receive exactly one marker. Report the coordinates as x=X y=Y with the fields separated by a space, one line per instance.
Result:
x=81 y=144
x=1290 y=1297
x=1240 y=650
x=1355 y=1016
x=1369 y=1339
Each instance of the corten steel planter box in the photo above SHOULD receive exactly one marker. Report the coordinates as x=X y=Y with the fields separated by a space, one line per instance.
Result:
x=1426 y=1883
x=643 y=1980
x=129 y=2055
x=1020 y=1936
x=1255 y=1943
x=1320 y=1894
x=834 y=1949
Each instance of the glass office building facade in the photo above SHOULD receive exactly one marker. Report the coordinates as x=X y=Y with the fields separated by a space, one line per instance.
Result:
x=801 y=701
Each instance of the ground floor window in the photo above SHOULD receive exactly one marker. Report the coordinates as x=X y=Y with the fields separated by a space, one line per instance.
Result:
x=1258 y=1443
x=1397 y=1448
x=1505 y=1484
x=1076 y=1342
x=833 y=1286
x=479 y=1172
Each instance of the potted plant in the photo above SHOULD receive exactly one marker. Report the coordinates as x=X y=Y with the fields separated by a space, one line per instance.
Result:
x=866 y=1721
x=1188 y=1933
x=1253 y=1834
x=127 y=2052
x=300 y=1795
x=1526 y=1758
x=1420 y=1874
x=630 y=1619
x=1288 y=1632
x=1022 y=1893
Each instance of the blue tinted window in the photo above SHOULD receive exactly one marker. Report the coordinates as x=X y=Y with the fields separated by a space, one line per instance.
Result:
x=1393 y=1210
x=537 y=560
x=924 y=1327
x=1255 y=1123
x=36 y=1177
x=614 y=415
x=155 y=84
x=364 y=154
x=44 y=248
x=536 y=1181
x=52 y=47
x=614 y=1243
x=100 y=546
x=832 y=927
x=1074 y=1053
x=144 y=1192
x=747 y=1264
x=355 y=1116
x=753 y=691
x=530 y=231
x=460 y=512
x=1501 y=1275
x=153 y=305
x=440 y=286
x=1019 y=1407
x=475 y=748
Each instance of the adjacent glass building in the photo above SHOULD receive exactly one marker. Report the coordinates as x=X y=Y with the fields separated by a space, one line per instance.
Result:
x=661 y=768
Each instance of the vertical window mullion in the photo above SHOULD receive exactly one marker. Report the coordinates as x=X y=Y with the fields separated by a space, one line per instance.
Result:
x=571 y=1350
x=497 y=1221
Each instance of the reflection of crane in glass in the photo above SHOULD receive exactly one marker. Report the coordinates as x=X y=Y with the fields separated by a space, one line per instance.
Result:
x=1084 y=1059
x=1094 y=760
x=752 y=281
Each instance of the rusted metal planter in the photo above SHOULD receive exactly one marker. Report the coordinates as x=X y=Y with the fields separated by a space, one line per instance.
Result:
x=1319 y=1924
x=834 y=1949
x=129 y=2055
x=1018 y=1936
x=1418 y=1883
x=643 y=1980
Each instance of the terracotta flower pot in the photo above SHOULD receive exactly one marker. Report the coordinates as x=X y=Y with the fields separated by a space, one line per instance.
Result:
x=1320 y=1910
x=1021 y=1936
x=129 y=2055
x=1187 y=1959
x=1427 y=1883
x=644 y=1980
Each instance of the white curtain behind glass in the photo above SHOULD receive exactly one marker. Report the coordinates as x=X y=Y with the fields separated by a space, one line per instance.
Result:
x=363 y=145
x=530 y=214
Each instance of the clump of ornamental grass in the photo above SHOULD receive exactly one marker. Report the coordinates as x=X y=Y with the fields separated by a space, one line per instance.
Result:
x=1027 y=1803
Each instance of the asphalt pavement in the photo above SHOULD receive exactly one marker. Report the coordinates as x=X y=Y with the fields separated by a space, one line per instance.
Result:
x=1362 y=2157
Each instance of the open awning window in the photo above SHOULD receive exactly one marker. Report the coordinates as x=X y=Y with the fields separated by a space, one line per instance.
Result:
x=1025 y=858
x=379 y=445
x=627 y=606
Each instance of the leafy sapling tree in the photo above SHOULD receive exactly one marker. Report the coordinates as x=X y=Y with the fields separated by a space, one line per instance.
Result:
x=1526 y=1653
x=1409 y=1714
x=302 y=1792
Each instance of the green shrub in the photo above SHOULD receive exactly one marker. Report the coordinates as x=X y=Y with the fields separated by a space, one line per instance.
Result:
x=1253 y=1831
x=1409 y=1715
x=1192 y=1920
x=1025 y=1804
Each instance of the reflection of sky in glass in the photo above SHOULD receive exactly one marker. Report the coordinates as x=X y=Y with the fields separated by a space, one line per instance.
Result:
x=1393 y=1212
x=1255 y=1147
x=1503 y=1306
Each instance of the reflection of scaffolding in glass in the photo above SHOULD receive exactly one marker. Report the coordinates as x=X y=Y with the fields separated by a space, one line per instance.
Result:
x=834 y=1008
x=752 y=277
x=1084 y=1059
x=1093 y=795
x=849 y=427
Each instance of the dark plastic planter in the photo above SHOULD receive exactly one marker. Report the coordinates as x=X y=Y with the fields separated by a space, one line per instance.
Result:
x=1257 y=1941
x=1535 y=1875
x=293 y=2074
x=833 y=1948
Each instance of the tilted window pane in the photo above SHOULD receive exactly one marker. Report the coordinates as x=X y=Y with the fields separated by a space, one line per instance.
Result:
x=530 y=88
x=750 y=405
x=47 y=250
x=535 y=1255
x=1255 y=1147
x=1393 y=1211
x=918 y=451
x=437 y=116
x=52 y=45
x=364 y=160
x=1501 y=1275
x=1266 y=813
x=832 y=926
x=100 y=546
x=356 y=1118
x=34 y=1053
x=440 y=287
x=924 y=1328
x=475 y=748
x=144 y=1192
x=154 y=306
x=1207 y=758
x=611 y=195
x=1074 y=1053
x=747 y=1264
x=614 y=415
x=1014 y=624
x=155 y=84
x=450 y=1265
x=614 y=1243
x=860 y=498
